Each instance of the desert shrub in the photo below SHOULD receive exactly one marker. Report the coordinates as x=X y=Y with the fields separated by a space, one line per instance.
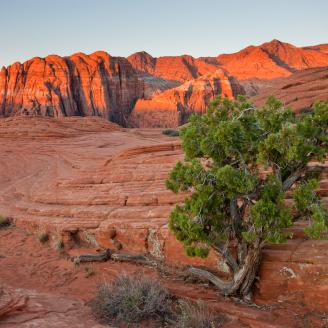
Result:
x=131 y=299
x=42 y=236
x=171 y=132
x=89 y=272
x=58 y=244
x=4 y=222
x=231 y=204
x=196 y=315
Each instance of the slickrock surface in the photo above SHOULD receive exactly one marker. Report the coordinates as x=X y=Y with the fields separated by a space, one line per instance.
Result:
x=29 y=308
x=299 y=90
x=51 y=291
x=92 y=184
x=172 y=107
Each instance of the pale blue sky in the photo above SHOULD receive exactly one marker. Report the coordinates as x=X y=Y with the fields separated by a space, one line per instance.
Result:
x=168 y=27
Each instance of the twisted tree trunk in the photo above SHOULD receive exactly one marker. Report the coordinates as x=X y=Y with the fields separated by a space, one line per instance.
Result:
x=242 y=278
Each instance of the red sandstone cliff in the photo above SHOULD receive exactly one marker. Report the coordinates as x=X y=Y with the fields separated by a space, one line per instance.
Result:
x=106 y=86
x=267 y=61
x=172 y=107
x=94 y=85
x=272 y=59
x=176 y=68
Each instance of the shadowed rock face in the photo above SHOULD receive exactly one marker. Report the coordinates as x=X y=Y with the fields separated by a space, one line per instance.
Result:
x=321 y=47
x=299 y=90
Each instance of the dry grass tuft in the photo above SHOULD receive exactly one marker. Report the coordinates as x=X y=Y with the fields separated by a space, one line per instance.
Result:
x=196 y=315
x=58 y=244
x=42 y=236
x=131 y=300
x=5 y=222
x=89 y=271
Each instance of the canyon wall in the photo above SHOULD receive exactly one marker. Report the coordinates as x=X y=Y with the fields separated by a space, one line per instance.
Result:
x=172 y=108
x=144 y=91
x=79 y=85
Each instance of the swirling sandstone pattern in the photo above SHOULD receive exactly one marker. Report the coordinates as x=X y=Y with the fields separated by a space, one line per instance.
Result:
x=90 y=181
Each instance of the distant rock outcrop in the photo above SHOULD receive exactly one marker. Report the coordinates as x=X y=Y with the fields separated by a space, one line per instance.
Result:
x=109 y=87
x=320 y=47
x=272 y=60
x=299 y=90
x=172 y=107
x=267 y=61
x=174 y=68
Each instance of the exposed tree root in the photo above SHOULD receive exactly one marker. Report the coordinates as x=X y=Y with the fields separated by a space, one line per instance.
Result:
x=188 y=273
x=99 y=257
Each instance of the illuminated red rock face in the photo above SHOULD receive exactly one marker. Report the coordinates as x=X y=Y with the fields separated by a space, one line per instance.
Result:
x=142 y=90
x=267 y=61
x=94 y=85
x=300 y=90
x=273 y=59
x=176 y=68
x=101 y=85
x=172 y=107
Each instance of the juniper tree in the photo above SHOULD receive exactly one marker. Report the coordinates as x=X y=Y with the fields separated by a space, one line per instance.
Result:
x=239 y=163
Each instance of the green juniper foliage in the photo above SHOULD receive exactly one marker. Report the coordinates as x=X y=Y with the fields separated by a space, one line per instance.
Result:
x=226 y=152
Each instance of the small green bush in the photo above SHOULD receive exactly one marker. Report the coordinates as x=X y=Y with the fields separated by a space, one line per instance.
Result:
x=171 y=132
x=4 y=222
x=196 y=315
x=131 y=300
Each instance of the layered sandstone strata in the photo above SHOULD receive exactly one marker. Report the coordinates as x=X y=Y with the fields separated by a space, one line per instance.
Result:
x=300 y=90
